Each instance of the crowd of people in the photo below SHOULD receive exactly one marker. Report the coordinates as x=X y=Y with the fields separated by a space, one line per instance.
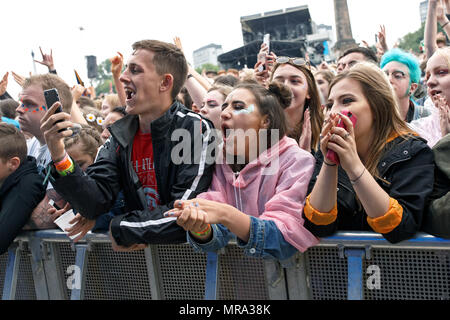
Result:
x=277 y=156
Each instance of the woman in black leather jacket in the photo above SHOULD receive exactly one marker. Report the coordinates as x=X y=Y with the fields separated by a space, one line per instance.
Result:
x=384 y=172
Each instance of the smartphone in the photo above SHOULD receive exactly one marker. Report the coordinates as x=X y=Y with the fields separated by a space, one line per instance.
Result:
x=331 y=155
x=52 y=96
x=266 y=40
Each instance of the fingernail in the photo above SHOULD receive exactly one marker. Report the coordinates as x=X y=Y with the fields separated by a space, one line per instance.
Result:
x=180 y=204
x=196 y=204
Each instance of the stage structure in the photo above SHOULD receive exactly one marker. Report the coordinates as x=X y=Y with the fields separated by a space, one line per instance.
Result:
x=290 y=30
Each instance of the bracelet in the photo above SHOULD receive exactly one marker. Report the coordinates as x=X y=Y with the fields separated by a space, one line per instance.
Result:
x=445 y=24
x=356 y=180
x=328 y=164
x=203 y=233
x=65 y=166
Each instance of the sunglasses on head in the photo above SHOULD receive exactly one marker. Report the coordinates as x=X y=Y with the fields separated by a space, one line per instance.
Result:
x=295 y=61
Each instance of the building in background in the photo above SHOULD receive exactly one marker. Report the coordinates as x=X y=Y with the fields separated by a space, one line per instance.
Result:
x=423 y=11
x=207 y=54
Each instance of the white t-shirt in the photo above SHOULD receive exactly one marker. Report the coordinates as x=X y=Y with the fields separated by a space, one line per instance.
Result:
x=41 y=153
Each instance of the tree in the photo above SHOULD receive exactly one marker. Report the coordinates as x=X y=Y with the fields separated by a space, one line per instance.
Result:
x=412 y=40
x=104 y=78
x=207 y=67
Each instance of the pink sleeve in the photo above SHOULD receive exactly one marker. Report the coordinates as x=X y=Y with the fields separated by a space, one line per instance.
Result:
x=286 y=206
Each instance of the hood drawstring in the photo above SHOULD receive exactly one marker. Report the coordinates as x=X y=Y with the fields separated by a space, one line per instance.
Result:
x=238 y=204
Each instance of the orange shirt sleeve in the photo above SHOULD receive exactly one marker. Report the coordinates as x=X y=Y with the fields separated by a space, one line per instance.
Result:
x=319 y=218
x=390 y=220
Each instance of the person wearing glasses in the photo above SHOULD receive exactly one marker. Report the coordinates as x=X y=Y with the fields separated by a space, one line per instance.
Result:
x=383 y=173
x=403 y=71
x=304 y=115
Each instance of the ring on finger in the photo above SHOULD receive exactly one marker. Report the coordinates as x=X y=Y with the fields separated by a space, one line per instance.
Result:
x=346 y=135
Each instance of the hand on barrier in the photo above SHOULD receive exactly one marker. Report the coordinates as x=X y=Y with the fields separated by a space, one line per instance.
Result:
x=117 y=248
x=81 y=226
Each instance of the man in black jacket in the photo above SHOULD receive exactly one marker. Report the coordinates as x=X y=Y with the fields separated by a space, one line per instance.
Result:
x=141 y=157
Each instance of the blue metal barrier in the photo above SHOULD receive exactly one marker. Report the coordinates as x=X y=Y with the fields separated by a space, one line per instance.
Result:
x=348 y=265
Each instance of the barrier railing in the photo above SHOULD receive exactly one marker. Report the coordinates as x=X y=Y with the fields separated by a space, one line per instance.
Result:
x=46 y=265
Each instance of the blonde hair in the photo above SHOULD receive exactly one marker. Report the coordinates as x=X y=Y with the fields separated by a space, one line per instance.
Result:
x=387 y=122
x=112 y=100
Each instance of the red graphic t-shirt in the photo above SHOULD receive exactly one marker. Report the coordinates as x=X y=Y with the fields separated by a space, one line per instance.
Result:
x=142 y=162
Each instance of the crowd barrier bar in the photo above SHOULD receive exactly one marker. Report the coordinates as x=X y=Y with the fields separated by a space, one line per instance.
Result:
x=344 y=256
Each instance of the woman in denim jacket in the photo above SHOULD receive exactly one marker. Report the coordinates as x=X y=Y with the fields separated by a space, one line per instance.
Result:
x=258 y=196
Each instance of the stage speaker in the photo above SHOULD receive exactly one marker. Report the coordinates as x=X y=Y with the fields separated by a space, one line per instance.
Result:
x=92 y=67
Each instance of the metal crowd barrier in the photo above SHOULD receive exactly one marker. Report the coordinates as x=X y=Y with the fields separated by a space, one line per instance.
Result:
x=46 y=265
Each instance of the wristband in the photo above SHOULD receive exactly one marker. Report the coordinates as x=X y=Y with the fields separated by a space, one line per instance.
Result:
x=65 y=166
x=203 y=233
x=329 y=164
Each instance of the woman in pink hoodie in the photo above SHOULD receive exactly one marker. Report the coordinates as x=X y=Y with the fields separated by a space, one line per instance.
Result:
x=258 y=193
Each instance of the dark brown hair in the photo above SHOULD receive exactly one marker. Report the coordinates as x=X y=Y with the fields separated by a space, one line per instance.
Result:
x=313 y=103
x=271 y=102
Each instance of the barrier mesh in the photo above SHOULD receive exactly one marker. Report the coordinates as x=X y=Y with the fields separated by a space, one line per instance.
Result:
x=25 y=289
x=181 y=272
x=241 y=277
x=67 y=256
x=3 y=263
x=408 y=274
x=116 y=275
x=327 y=273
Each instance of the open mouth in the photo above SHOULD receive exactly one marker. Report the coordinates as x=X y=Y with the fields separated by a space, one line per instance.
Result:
x=130 y=93
x=435 y=92
x=226 y=131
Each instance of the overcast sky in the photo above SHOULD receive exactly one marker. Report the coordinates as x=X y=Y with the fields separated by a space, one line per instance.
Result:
x=111 y=26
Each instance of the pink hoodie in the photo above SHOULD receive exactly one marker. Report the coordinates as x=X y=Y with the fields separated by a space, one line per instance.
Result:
x=278 y=197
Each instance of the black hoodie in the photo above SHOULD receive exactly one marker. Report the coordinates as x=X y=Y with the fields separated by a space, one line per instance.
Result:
x=20 y=193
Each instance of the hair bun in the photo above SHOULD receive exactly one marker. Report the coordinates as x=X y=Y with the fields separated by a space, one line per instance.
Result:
x=282 y=92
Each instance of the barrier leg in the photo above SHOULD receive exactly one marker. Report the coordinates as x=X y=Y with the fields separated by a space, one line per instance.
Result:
x=355 y=273
x=12 y=271
x=212 y=271
x=152 y=270
x=38 y=255
x=78 y=277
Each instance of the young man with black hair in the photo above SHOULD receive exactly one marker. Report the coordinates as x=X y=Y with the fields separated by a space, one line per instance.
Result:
x=355 y=55
x=138 y=157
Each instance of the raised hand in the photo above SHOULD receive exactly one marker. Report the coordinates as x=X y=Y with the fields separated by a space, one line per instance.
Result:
x=177 y=42
x=47 y=60
x=305 y=138
x=4 y=84
x=117 y=65
x=18 y=78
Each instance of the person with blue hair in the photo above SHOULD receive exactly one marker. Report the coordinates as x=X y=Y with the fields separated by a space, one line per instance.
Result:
x=403 y=71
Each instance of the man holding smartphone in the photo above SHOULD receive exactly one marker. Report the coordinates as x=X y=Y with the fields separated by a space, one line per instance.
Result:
x=137 y=158
x=32 y=108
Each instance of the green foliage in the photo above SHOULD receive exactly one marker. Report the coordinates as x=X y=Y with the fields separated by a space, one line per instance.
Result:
x=207 y=67
x=104 y=78
x=412 y=40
